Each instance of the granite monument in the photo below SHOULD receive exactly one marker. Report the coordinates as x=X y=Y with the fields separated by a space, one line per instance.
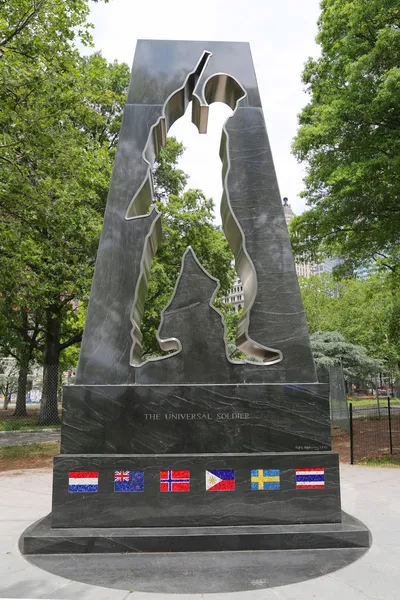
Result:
x=193 y=451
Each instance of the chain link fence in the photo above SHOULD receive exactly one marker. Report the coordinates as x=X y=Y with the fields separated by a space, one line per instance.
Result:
x=340 y=419
x=24 y=407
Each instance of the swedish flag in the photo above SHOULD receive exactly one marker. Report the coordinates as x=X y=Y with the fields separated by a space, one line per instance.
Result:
x=265 y=479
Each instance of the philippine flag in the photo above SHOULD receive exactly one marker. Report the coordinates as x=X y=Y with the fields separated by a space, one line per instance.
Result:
x=221 y=480
x=310 y=479
x=83 y=481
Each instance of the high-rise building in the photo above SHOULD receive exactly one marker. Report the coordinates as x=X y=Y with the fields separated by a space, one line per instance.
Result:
x=303 y=269
x=235 y=295
x=287 y=209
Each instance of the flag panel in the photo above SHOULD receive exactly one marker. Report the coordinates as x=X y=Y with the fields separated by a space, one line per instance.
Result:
x=175 y=481
x=83 y=481
x=265 y=479
x=129 y=481
x=220 y=480
x=310 y=479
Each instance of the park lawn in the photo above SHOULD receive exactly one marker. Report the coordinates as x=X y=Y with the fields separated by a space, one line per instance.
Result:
x=384 y=461
x=31 y=456
x=22 y=424
x=365 y=402
x=9 y=422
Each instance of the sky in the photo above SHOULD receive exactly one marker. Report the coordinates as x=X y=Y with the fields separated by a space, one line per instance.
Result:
x=282 y=37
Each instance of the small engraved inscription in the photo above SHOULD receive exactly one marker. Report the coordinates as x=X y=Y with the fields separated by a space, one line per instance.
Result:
x=196 y=416
x=320 y=448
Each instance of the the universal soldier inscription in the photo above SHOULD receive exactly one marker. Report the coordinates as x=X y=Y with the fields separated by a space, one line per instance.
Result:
x=195 y=439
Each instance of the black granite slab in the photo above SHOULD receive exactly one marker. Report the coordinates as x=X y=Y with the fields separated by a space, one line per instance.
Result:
x=41 y=538
x=166 y=76
x=197 y=507
x=160 y=66
x=173 y=419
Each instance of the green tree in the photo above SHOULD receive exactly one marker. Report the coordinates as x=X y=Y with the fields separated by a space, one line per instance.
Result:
x=330 y=348
x=364 y=311
x=20 y=332
x=8 y=379
x=187 y=221
x=60 y=117
x=320 y=295
x=349 y=136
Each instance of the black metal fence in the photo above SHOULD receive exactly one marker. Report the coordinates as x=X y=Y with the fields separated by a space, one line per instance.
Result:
x=374 y=432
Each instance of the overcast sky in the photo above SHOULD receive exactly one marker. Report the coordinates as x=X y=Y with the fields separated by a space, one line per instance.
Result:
x=282 y=36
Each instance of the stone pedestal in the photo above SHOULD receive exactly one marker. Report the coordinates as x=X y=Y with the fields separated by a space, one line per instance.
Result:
x=43 y=538
x=196 y=429
x=196 y=507
x=158 y=419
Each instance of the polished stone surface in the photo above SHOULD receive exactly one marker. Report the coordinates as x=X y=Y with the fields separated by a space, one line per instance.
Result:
x=188 y=418
x=197 y=507
x=41 y=538
x=161 y=66
x=166 y=75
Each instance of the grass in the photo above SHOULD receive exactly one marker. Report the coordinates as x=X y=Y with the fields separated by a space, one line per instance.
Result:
x=22 y=423
x=44 y=450
x=8 y=422
x=366 y=402
x=385 y=461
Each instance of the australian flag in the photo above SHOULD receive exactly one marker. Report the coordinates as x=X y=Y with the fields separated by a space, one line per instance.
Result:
x=129 y=481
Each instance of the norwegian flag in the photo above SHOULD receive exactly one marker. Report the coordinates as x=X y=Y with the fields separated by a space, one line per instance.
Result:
x=174 y=481
x=121 y=476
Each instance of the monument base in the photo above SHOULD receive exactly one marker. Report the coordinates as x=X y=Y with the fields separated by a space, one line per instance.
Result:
x=195 y=490
x=41 y=538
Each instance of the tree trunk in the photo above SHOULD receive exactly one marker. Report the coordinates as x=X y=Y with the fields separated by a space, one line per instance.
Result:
x=20 y=406
x=7 y=396
x=49 y=402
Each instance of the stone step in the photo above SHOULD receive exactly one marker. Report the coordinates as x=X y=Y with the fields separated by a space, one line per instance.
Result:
x=41 y=538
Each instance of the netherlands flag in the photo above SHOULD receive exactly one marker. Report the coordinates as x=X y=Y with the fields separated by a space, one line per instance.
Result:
x=310 y=479
x=83 y=481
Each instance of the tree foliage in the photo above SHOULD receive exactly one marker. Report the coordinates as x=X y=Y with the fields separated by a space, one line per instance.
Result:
x=363 y=311
x=330 y=349
x=187 y=220
x=60 y=117
x=349 y=135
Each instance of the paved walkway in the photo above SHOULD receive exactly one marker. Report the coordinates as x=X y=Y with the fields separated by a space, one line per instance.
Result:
x=371 y=494
x=21 y=438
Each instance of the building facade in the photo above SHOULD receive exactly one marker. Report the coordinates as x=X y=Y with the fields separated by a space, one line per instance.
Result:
x=235 y=297
x=303 y=269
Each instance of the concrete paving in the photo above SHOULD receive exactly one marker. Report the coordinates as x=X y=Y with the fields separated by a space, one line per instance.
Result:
x=22 y=438
x=369 y=493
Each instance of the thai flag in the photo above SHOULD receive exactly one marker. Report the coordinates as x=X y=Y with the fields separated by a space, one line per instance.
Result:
x=83 y=481
x=310 y=479
x=175 y=481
